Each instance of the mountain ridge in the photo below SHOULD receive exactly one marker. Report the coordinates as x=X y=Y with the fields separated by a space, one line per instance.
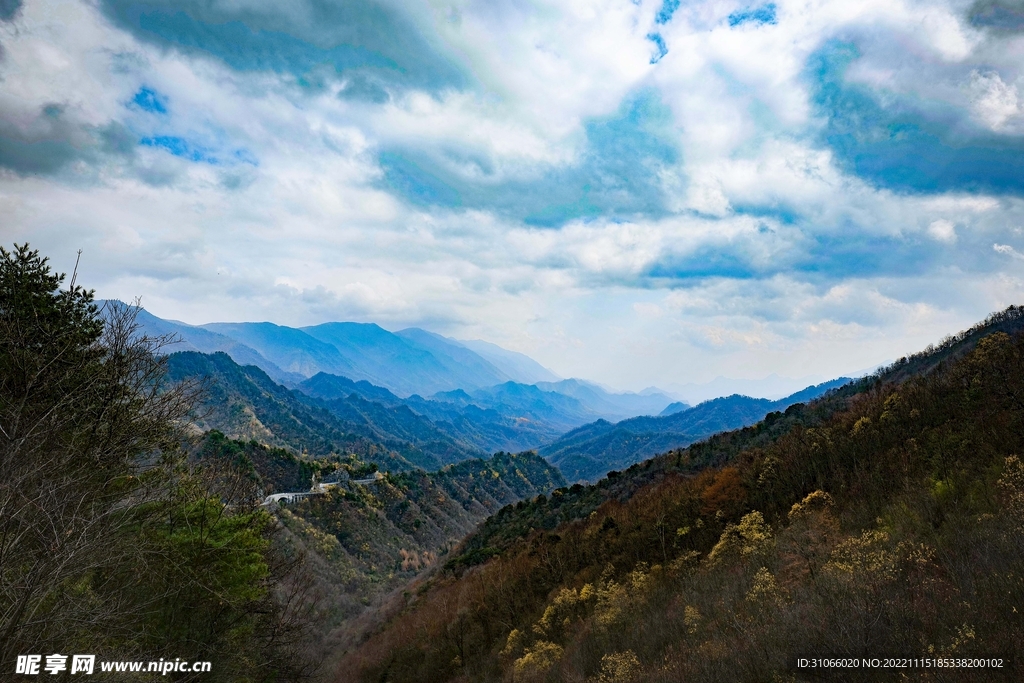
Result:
x=589 y=452
x=410 y=362
x=245 y=403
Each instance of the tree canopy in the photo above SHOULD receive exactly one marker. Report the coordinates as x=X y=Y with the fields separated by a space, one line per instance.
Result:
x=110 y=541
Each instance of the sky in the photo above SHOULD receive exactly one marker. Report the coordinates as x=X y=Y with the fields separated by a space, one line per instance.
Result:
x=637 y=192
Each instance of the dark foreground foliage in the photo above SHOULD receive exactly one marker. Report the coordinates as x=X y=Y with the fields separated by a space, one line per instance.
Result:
x=885 y=519
x=109 y=543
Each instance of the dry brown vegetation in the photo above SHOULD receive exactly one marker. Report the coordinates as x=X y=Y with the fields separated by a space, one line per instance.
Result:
x=364 y=541
x=888 y=524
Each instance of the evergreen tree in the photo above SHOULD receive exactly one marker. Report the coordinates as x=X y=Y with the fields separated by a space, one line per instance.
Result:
x=109 y=543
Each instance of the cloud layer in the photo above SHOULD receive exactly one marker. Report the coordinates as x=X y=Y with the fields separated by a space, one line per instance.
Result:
x=637 y=192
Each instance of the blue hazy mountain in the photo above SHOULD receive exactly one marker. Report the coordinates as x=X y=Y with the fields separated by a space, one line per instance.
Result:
x=385 y=359
x=412 y=361
x=677 y=407
x=457 y=359
x=517 y=366
x=192 y=338
x=484 y=422
x=292 y=350
x=569 y=403
x=591 y=451
x=508 y=416
x=526 y=402
x=612 y=406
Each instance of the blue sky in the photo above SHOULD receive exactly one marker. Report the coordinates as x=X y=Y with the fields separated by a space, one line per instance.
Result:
x=633 y=191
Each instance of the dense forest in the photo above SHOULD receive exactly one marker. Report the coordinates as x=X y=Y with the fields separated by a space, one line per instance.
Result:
x=884 y=519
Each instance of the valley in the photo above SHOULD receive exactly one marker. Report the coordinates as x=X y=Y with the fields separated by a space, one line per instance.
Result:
x=544 y=532
x=756 y=508
x=450 y=461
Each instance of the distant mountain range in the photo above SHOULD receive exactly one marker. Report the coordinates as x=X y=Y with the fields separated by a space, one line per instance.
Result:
x=520 y=367
x=509 y=417
x=244 y=403
x=330 y=414
x=591 y=451
x=611 y=405
x=411 y=363
x=355 y=387
x=772 y=387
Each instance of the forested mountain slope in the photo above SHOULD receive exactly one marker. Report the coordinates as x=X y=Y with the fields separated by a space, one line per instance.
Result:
x=1009 y=321
x=587 y=453
x=884 y=519
x=243 y=402
x=357 y=541
x=112 y=542
x=495 y=428
x=361 y=540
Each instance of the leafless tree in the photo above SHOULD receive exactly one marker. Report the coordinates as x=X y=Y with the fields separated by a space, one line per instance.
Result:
x=88 y=430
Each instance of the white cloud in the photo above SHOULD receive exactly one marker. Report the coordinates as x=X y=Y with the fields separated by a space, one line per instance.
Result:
x=995 y=102
x=705 y=195
x=943 y=231
x=768 y=256
x=1007 y=250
